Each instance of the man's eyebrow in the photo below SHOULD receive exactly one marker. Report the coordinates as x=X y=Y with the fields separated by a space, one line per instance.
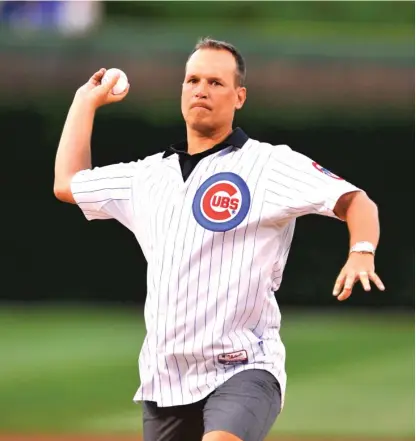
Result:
x=211 y=78
x=220 y=80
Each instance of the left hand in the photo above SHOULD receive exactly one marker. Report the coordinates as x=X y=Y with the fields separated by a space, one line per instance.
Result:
x=359 y=266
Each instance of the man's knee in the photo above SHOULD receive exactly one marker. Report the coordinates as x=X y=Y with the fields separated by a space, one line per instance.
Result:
x=219 y=435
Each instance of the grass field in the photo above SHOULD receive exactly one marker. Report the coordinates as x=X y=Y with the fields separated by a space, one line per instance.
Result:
x=73 y=370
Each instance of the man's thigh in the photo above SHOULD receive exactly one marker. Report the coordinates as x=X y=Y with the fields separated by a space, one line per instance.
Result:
x=176 y=423
x=246 y=406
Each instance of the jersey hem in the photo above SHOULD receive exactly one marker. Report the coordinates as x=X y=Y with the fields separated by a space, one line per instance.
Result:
x=139 y=396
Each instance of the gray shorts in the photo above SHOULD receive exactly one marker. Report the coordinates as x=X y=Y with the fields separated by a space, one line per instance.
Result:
x=246 y=405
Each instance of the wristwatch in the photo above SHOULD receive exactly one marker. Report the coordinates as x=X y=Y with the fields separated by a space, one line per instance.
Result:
x=363 y=247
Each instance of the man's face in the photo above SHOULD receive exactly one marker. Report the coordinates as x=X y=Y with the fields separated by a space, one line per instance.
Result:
x=210 y=94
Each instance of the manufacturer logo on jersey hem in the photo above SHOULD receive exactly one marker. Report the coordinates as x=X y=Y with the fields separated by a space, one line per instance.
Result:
x=222 y=202
x=233 y=357
x=325 y=171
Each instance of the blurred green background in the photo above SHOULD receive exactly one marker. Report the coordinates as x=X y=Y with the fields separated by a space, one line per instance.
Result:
x=334 y=80
x=73 y=370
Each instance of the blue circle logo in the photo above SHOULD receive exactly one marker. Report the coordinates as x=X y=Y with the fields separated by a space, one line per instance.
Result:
x=221 y=202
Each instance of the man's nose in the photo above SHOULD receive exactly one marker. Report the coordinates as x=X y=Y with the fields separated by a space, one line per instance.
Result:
x=201 y=91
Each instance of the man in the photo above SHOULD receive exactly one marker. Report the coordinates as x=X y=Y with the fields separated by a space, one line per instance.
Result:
x=215 y=217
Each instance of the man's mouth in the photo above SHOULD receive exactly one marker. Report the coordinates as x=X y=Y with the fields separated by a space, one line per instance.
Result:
x=201 y=106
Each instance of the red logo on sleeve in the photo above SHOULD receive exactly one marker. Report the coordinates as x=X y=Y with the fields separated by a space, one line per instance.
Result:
x=325 y=171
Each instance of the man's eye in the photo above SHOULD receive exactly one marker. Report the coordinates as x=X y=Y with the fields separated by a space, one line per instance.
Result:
x=216 y=83
x=192 y=81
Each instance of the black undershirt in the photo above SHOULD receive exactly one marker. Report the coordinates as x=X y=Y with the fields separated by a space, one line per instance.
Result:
x=188 y=162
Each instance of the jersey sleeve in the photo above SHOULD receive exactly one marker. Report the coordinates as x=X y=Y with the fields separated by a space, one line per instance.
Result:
x=106 y=192
x=300 y=186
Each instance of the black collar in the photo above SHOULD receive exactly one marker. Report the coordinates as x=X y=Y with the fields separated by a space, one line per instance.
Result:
x=237 y=138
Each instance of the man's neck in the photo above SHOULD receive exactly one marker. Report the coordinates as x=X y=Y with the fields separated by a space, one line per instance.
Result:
x=198 y=142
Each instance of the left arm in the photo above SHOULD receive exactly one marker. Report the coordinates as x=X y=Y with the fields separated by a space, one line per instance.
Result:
x=361 y=216
x=312 y=189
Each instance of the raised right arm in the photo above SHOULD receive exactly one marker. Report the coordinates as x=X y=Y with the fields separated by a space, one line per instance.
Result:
x=74 y=151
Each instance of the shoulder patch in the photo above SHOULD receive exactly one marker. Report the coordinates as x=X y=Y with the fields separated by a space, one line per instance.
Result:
x=325 y=171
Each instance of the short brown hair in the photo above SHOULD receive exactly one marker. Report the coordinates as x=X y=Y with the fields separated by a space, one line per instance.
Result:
x=209 y=43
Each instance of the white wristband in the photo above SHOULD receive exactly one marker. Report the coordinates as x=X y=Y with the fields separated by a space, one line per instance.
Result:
x=363 y=247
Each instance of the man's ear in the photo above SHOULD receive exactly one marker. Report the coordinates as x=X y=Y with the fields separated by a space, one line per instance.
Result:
x=241 y=97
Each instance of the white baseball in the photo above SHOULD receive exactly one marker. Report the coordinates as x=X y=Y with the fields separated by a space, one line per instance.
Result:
x=122 y=82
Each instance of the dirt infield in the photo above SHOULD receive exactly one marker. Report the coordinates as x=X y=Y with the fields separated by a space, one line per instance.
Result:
x=136 y=438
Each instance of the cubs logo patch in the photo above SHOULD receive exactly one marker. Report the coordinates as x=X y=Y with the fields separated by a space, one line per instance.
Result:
x=221 y=202
x=325 y=171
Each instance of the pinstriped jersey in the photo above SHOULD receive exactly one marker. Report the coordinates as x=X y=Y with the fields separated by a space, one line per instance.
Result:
x=216 y=246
